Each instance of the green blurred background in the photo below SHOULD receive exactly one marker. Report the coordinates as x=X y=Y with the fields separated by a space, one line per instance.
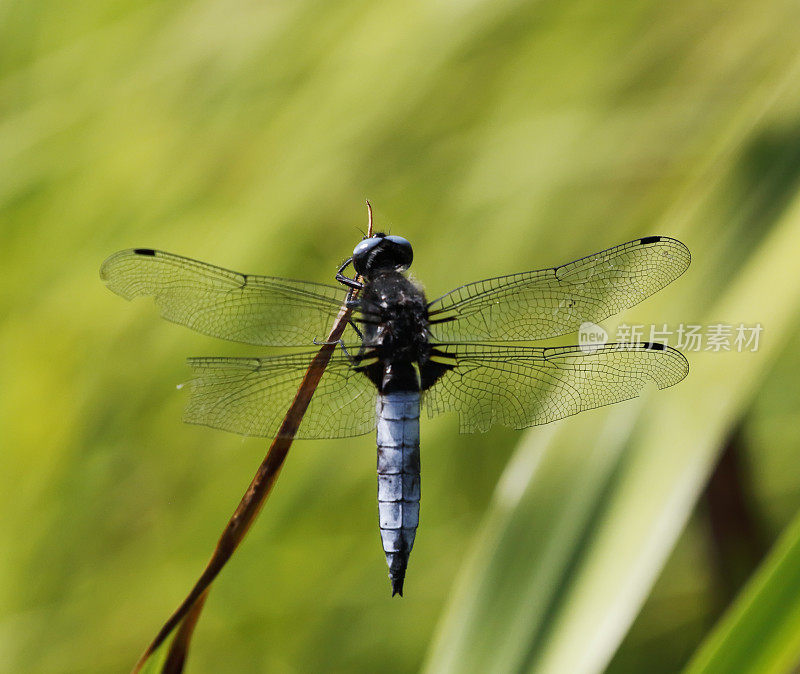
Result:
x=497 y=137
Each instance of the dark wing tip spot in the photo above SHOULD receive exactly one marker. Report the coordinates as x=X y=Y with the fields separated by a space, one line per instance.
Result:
x=649 y=239
x=144 y=251
x=654 y=346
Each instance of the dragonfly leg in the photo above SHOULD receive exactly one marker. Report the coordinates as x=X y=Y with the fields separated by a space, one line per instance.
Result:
x=358 y=332
x=341 y=343
x=352 y=360
x=316 y=342
x=349 y=282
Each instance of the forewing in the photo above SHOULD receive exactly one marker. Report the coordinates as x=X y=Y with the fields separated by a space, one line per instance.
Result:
x=250 y=396
x=555 y=301
x=524 y=386
x=261 y=310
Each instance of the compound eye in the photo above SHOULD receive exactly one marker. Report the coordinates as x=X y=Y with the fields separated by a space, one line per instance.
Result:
x=382 y=253
x=402 y=252
x=361 y=253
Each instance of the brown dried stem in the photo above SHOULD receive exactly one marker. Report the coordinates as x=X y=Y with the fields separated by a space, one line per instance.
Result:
x=187 y=614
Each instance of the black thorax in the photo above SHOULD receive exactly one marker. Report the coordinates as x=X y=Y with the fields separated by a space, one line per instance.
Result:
x=396 y=334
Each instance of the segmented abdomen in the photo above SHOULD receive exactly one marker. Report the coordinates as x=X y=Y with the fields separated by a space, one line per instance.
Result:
x=398 y=479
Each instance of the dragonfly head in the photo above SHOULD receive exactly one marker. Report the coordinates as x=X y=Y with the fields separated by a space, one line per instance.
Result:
x=382 y=252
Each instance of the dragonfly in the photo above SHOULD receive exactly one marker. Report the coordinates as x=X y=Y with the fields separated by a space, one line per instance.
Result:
x=462 y=353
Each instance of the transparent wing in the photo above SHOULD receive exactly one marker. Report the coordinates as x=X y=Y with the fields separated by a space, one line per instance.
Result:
x=259 y=310
x=524 y=386
x=551 y=302
x=250 y=396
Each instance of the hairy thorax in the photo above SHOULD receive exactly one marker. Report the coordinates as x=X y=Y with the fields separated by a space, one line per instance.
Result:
x=398 y=318
x=395 y=329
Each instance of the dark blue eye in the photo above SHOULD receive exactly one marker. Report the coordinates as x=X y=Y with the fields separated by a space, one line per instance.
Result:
x=382 y=253
x=404 y=252
x=361 y=253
